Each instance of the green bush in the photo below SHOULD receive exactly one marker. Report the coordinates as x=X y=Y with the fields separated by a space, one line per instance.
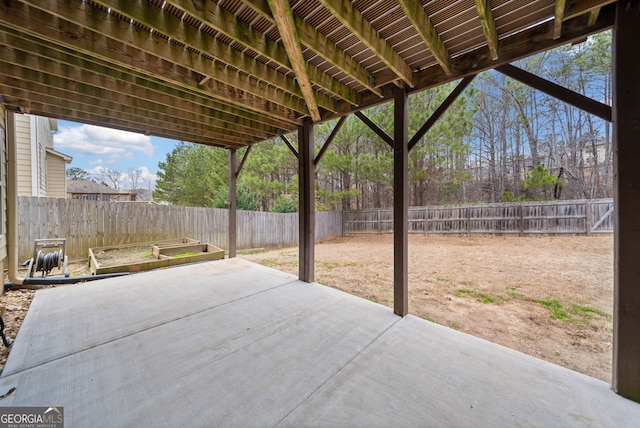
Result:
x=284 y=204
x=245 y=200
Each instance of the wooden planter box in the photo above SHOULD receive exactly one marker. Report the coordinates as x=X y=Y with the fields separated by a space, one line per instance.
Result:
x=152 y=255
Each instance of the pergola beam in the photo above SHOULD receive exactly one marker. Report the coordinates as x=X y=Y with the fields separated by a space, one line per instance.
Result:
x=568 y=96
x=290 y=146
x=558 y=18
x=94 y=107
x=56 y=79
x=352 y=19
x=427 y=31
x=77 y=115
x=375 y=128
x=442 y=108
x=134 y=119
x=488 y=26
x=593 y=17
x=329 y=140
x=284 y=21
x=244 y=159
x=575 y=8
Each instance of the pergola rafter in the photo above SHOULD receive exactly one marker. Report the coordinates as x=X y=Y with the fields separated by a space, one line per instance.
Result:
x=217 y=18
x=488 y=26
x=425 y=28
x=284 y=21
x=321 y=46
x=353 y=20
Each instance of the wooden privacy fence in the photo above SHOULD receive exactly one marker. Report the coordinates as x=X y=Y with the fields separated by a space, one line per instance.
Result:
x=90 y=224
x=580 y=216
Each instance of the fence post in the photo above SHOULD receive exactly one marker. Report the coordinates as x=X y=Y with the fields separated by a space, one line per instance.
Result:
x=521 y=206
x=468 y=221
x=379 y=222
x=426 y=220
x=588 y=217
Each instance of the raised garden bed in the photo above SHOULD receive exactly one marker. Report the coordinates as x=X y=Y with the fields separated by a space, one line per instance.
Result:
x=150 y=255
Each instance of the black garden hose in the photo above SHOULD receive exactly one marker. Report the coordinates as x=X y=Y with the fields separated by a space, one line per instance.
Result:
x=7 y=342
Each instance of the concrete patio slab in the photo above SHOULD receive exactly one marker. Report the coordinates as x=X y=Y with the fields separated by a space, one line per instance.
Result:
x=232 y=343
x=422 y=374
x=67 y=320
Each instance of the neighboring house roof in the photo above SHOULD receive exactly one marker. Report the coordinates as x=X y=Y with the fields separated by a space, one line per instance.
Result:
x=86 y=186
x=66 y=158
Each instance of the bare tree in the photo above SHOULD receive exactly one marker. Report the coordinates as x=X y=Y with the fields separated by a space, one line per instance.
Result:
x=148 y=182
x=112 y=177
x=134 y=176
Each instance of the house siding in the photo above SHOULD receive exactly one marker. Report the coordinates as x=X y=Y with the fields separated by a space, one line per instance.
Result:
x=56 y=185
x=33 y=135
x=23 y=142
x=3 y=190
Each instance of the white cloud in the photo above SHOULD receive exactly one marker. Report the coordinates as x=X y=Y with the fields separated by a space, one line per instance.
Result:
x=110 y=144
x=144 y=171
x=99 y=171
x=95 y=172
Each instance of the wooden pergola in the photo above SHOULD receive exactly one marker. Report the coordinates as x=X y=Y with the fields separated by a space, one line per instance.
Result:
x=232 y=73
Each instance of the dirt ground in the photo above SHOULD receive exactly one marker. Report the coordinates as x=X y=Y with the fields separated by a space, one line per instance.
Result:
x=16 y=304
x=120 y=256
x=550 y=297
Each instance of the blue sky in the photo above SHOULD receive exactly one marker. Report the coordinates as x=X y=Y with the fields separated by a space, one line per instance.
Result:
x=94 y=148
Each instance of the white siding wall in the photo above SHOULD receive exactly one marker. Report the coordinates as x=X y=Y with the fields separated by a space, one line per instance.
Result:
x=33 y=134
x=56 y=184
x=23 y=141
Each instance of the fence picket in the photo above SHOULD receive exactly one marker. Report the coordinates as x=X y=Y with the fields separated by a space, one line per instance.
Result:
x=517 y=218
x=99 y=224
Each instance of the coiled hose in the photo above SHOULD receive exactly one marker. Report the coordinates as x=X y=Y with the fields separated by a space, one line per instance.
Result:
x=46 y=262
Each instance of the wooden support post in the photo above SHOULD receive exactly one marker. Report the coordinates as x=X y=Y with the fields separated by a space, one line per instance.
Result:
x=306 y=177
x=400 y=201
x=232 y=203
x=626 y=130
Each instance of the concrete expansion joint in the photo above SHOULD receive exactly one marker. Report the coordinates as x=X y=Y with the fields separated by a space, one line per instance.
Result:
x=344 y=366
